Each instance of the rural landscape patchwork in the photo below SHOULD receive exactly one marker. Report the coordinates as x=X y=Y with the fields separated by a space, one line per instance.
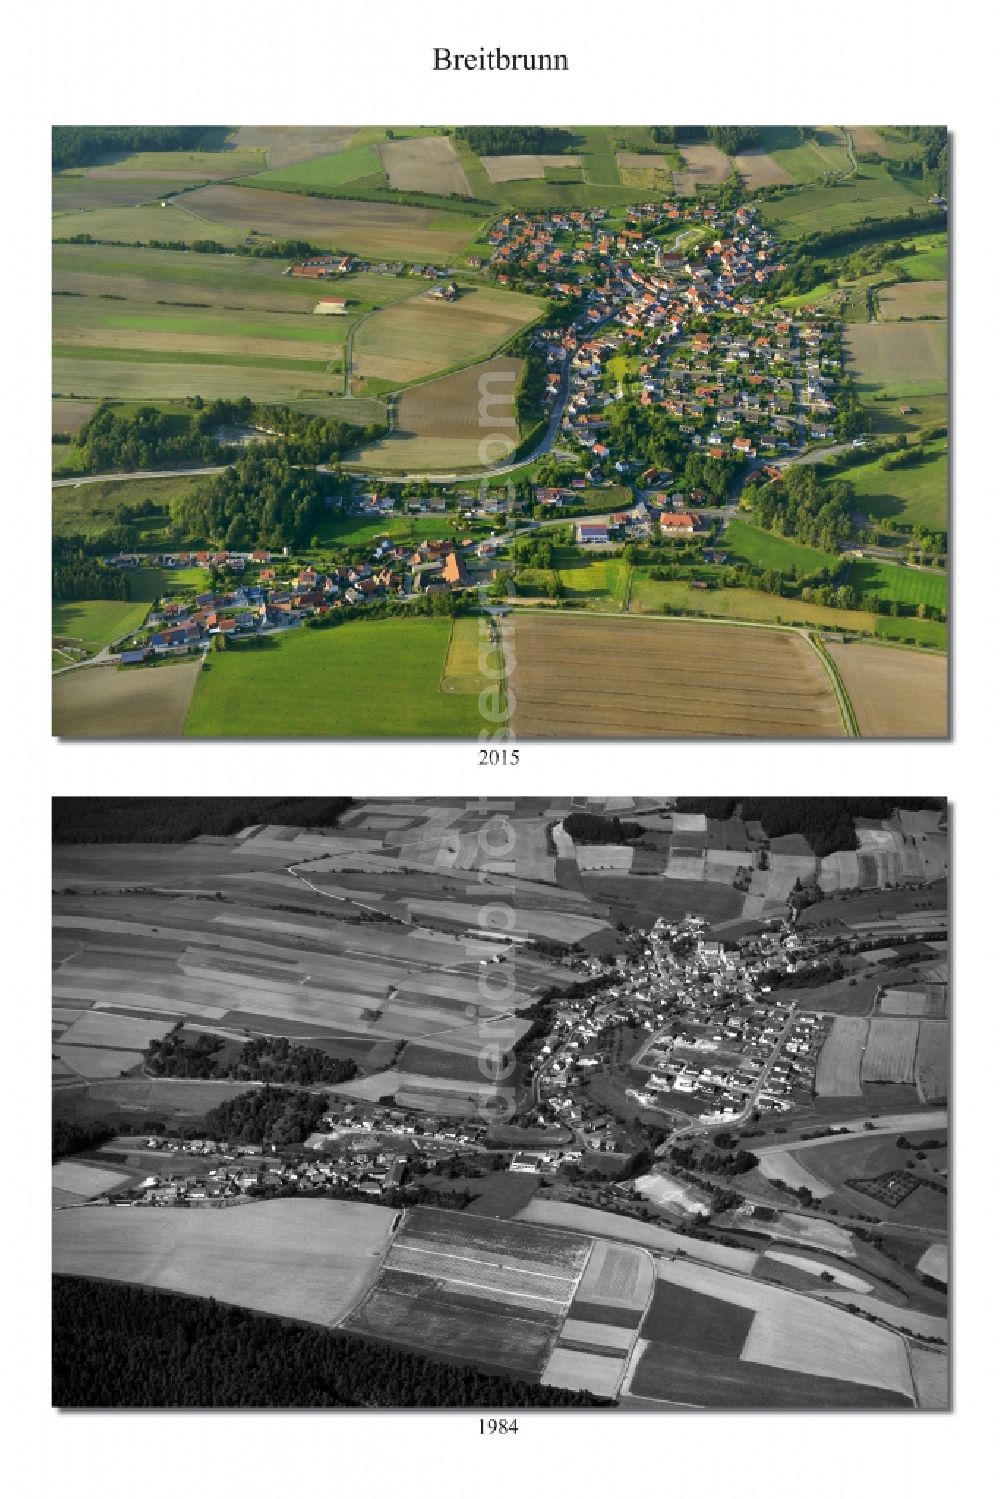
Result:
x=626 y=1103
x=562 y=432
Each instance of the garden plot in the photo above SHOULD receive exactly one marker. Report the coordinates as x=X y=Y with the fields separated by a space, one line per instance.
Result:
x=934 y=1261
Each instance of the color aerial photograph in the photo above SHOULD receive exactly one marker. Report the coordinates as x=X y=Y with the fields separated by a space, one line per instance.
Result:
x=564 y=431
x=626 y=1103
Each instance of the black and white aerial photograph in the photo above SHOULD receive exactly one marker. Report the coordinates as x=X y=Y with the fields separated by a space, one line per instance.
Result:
x=626 y=1104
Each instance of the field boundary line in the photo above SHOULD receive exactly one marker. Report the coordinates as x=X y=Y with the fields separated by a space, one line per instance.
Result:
x=839 y=690
x=471 y=1259
x=478 y=1285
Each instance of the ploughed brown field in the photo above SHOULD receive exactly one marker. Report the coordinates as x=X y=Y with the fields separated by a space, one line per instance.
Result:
x=440 y=421
x=895 y=693
x=632 y=678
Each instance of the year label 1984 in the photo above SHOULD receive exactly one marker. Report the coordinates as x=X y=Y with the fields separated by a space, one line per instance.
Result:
x=493 y=1426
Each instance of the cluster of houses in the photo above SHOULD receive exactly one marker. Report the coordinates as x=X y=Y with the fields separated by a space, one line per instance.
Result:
x=719 y=1039
x=758 y=379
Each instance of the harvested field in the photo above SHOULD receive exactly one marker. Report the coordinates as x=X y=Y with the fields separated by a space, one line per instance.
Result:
x=933 y=1066
x=439 y=424
x=569 y=1369
x=69 y=416
x=96 y=1061
x=757 y=169
x=632 y=1230
x=423 y=335
x=706 y=165
x=934 y=1261
x=291 y=1258
x=930 y=1377
x=377 y=229
x=425 y=164
x=913 y=299
x=286 y=145
x=817 y=1339
x=838 y=1071
x=896 y=694
x=523 y=168
x=663 y=678
x=104 y=1028
x=890 y=1053
x=883 y=355
x=81 y=1181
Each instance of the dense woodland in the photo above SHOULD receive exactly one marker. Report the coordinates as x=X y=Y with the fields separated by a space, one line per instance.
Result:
x=802 y=505
x=149 y=438
x=70 y=1137
x=650 y=436
x=78 y=575
x=826 y=823
x=588 y=827
x=261 y=501
x=271 y=1059
x=514 y=140
x=279 y=1116
x=177 y=819
x=117 y=1346
x=75 y=145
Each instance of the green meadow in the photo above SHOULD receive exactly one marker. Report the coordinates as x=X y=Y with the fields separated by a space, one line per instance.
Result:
x=365 y=679
x=746 y=543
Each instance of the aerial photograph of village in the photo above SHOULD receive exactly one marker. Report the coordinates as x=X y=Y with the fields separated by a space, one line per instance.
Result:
x=625 y=1103
x=389 y=431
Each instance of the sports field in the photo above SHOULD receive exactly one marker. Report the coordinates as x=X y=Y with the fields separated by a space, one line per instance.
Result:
x=389 y=229
x=646 y=677
x=423 y=335
x=367 y=678
x=907 y=585
x=311 y=1260
x=896 y=693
